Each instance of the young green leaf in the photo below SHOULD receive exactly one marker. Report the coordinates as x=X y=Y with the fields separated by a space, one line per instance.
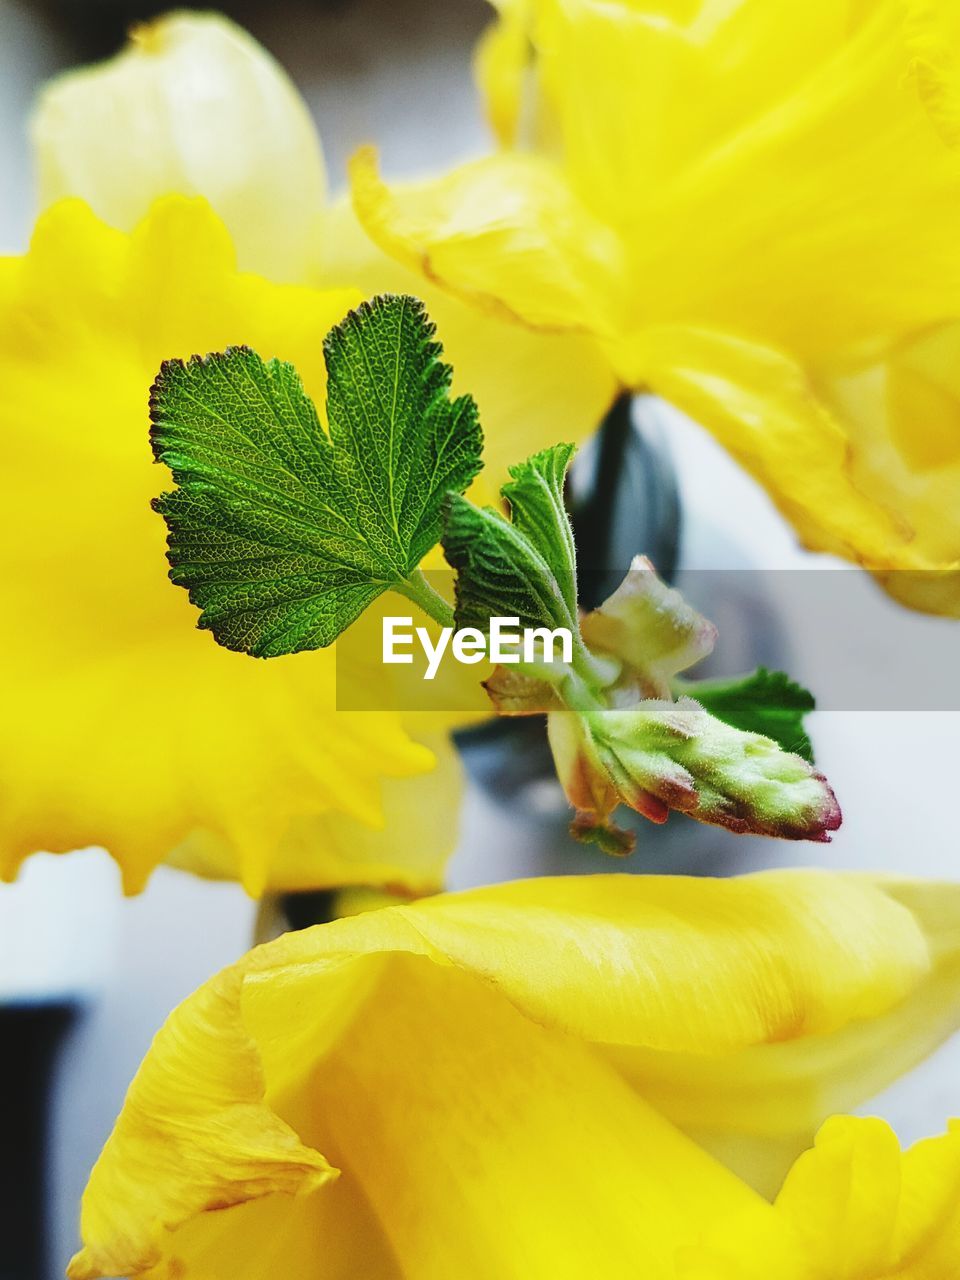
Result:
x=524 y=567
x=766 y=702
x=283 y=534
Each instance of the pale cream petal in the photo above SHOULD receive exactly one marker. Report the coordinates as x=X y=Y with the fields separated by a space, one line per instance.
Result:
x=192 y=106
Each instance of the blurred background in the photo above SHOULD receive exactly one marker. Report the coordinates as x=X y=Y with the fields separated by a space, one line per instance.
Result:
x=108 y=970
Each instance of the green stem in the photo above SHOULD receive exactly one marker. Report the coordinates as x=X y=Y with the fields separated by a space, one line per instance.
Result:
x=418 y=589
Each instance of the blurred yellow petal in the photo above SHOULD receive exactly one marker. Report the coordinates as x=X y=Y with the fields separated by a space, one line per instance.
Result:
x=401 y=848
x=502 y=58
x=193 y=106
x=931 y=32
x=714 y=130
x=863 y=458
x=762 y=407
x=642 y=91
x=532 y=389
x=458 y=1061
x=504 y=232
x=842 y=1197
x=124 y=726
x=901 y=413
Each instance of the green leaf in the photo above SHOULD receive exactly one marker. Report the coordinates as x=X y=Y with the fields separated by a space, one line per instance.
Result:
x=537 y=510
x=281 y=533
x=524 y=567
x=766 y=702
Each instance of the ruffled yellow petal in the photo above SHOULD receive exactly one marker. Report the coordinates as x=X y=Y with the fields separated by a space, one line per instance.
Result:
x=234 y=1144
x=124 y=726
x=642 y=91
x=454 y=1059
x=698 y=133
x=865 y=1210
x=532 y=389
x=713 y=131
x=900 y=412
x=402 y=847
x=842 y=1197
x=192 y=106
x=505 y=232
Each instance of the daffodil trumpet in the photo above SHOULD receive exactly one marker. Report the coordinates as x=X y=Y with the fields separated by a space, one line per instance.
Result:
x=284 y=534
x=612 y=1076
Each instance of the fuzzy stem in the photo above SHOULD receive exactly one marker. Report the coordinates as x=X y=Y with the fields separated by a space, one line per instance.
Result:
x=418 y=589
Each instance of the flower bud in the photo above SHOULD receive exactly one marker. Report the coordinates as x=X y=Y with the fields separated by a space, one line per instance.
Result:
x=652 y=631
x=677 y=756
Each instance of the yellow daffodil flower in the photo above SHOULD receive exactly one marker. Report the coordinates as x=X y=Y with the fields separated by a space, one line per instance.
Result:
x=520 y=1082
x=751 y=206
x=123 y=726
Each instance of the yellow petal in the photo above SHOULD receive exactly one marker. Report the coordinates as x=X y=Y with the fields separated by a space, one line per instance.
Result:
x=900 y=411
x=643 y=90
x=124 y=726
x=532 y=389
x=500 y=64
x=760 y=406
x=709 y=135
x=235 y=1146
x=695 y=134
x=504 y=232
x=454 y=1059
x=826 y=447
x=863 y=1209
x=758 y=1107
x=853 y=1207
x=192 y=106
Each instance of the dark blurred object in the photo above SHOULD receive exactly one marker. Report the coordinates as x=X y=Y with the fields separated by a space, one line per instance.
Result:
x=301 y=910
x=31 y=1036
x=98 y=28
x=623 y=501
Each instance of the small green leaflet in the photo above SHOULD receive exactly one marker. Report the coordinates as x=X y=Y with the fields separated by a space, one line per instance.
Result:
x=524 y=567
x=766 y=702
x=281 y=533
